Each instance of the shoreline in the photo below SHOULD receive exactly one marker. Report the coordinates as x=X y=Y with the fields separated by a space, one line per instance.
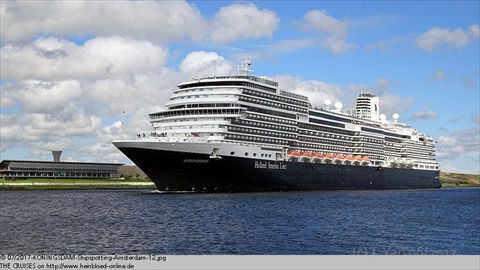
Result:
x=70 y=184
x=446 y=179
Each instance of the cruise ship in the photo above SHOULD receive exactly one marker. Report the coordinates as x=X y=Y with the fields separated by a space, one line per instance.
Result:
x=242 y=133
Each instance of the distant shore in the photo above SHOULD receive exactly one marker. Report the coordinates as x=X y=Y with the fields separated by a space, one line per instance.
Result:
x=447 y=180
x=459 y=180
x=35 y=184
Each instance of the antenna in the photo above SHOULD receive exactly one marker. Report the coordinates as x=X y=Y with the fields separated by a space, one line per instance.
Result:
x=121 y=123
x=246 y=67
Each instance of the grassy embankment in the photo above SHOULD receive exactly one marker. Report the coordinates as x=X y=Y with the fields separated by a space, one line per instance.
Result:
x=29 y=184
x=134 y=179
x=459 y=180
x=447 y=180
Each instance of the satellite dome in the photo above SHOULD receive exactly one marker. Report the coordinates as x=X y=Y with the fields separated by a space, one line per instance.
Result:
x=383 y=117
x=338 y=105
x=396 y=116
x=327 y=102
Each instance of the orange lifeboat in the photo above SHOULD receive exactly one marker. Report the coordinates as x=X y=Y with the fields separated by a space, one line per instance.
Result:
x=294 y=153
x=308 y=154
x=330 y=155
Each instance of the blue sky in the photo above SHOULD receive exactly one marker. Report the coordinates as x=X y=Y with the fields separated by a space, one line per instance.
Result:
x=68 y=70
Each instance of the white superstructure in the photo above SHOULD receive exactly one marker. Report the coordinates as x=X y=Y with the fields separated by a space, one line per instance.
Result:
x=248 y=111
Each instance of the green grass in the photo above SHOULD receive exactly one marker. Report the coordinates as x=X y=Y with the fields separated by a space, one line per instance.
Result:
x=459 y=180
x=40 y=180
x=56 y=187
x=87 y=184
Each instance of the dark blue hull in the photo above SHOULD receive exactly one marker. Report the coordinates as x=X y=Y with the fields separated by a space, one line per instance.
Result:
x=176 y=171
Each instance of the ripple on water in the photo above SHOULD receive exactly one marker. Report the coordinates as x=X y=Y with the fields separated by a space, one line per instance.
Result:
x=322 y=222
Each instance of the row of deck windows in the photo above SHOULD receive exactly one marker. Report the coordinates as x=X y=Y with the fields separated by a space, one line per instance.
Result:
x=193 y=112
x=327 y=129
x=308 y=132
x=255 y=139
x=263 y=125
x=260 y=132
x=271 y=119
x=273 y=97
x=272 y=104
x=332 y=142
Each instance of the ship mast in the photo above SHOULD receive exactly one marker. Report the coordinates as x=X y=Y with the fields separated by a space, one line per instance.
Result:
x=245 y=68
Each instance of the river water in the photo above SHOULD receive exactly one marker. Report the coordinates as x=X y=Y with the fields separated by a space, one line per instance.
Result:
x=445 y=221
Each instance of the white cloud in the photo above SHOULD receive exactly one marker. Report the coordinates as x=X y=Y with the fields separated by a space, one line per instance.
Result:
x=54 y=59
x=243 y=21
x=44 y=130
x=321 y=21
x=464 y=143
x=201 y=63
x=380 y=45
x=381 y=86
x=162 y=21
x=446 y=167
x=46 y=97
x=476 y=119
x=74 y=108
x=337 y=46
x=336 y=30
x=475 y=30
x=316 y=91
x=435 y=37
x=69 y=122
x=424 y=115
x=391 y=103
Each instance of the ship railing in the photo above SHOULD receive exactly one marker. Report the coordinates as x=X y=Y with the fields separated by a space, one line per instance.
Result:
x=253 y=78
x=293 y=95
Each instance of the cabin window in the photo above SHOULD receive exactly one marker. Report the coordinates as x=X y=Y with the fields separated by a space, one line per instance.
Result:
x=232 y=153
x=246 y=154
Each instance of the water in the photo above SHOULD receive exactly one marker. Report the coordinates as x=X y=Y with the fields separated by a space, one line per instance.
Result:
x=442 y=221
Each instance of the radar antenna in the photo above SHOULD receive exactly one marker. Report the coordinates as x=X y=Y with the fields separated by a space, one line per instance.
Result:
x=245 y=68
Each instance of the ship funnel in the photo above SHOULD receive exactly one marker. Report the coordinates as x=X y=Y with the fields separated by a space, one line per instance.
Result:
x=56 y=155
x=368 y=107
